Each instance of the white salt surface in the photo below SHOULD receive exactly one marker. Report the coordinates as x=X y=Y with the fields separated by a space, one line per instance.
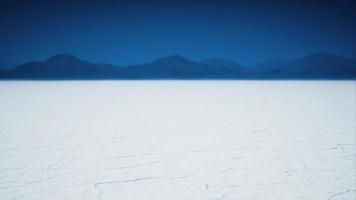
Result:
x=177 y=140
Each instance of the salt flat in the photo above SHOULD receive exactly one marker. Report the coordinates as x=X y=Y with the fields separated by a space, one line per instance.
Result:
x=177 y=140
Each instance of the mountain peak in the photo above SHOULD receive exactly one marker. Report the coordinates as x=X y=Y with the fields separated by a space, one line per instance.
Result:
x=62 y=58
x=173 y=59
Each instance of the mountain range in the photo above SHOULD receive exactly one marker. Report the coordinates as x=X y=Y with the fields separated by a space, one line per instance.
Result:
x=68 y=67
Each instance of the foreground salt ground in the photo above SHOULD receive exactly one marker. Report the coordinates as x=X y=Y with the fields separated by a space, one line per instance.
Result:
x=178 y=140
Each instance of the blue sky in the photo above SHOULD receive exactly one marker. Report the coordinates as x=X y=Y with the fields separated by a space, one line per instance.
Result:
x=138 y=31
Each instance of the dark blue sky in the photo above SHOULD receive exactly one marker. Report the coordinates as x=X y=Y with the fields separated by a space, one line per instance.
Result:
x=137 y=31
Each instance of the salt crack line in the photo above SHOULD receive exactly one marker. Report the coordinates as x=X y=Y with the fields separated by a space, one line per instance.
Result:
x=97 y=184
x=255 y=185
x=340 y=193
x=124 y=181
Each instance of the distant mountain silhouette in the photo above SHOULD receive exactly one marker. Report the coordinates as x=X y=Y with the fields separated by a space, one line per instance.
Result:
x=324 y=65
x=223 y=67
x=176 y=66
x=66 y=66
x=169 y=66
x=4 y=73
x=63 y=66
x=271 y=65
x=6 y=65
x=314 y=66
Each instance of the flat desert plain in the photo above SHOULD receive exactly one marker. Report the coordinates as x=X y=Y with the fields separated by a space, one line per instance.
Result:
x=177 y=140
